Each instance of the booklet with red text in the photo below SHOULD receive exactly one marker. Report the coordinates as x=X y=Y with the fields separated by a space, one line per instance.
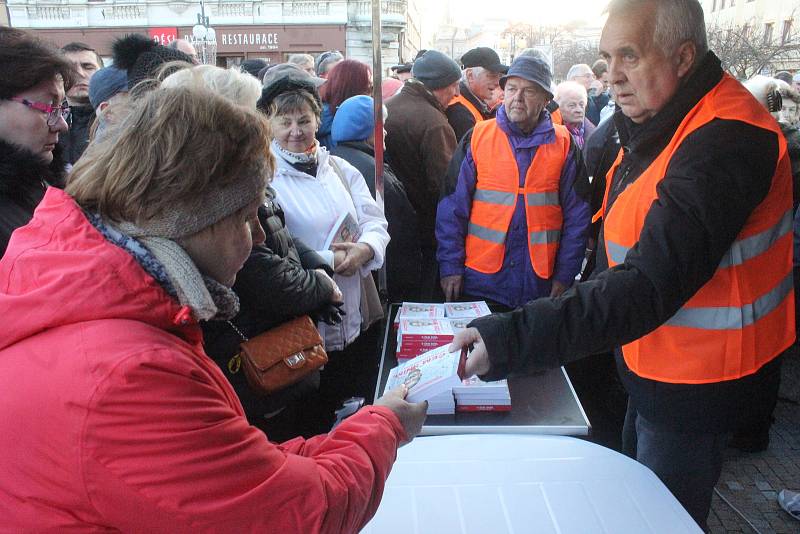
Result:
x=429 y=374
x=344 y=230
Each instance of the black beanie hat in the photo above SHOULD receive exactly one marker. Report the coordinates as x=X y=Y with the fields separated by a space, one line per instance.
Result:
x=141 y=57
x=286 y=84
x=252 y=66
x=435 y=70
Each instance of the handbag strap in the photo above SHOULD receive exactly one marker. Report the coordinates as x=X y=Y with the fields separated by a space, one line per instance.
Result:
x=340 y=174
x=244 y=337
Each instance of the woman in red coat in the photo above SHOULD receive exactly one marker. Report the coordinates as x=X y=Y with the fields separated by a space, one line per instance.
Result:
x=114 y=418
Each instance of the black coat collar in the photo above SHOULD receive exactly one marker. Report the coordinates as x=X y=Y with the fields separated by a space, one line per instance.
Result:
x=21 y=171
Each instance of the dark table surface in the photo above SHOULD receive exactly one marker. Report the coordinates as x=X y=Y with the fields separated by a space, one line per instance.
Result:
x=544 y=403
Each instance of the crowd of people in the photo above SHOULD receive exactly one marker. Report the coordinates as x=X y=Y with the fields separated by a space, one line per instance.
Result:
x=157 y=213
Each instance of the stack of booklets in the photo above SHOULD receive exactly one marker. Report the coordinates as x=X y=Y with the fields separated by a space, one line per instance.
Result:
x=474 y=395
x=431 y=377
x=416 y=336
x=423 y=326
x=466 y=310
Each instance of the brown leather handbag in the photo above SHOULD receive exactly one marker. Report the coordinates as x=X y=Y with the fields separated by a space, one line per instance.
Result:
x=281 y=356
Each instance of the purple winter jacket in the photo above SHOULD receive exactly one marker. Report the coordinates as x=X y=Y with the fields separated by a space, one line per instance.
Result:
x=516 y=282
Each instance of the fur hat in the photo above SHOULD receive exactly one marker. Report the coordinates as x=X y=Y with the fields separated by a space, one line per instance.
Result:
x=141 y=57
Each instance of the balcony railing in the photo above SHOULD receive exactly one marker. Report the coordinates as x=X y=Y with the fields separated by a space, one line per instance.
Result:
x=304 y=8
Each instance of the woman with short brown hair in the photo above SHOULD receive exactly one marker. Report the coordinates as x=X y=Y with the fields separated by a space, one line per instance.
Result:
x=114 y=418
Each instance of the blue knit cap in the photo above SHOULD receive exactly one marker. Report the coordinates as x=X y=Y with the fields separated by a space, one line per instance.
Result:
x=354 y=120
x=106 y=83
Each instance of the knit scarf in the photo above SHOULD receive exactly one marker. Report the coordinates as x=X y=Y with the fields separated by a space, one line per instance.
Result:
x=309 y=157
x=171 y=266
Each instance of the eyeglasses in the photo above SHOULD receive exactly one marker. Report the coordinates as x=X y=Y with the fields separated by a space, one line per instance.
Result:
x=53 y=112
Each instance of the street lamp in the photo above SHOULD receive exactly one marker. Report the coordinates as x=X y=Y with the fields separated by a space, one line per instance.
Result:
x=204 y=38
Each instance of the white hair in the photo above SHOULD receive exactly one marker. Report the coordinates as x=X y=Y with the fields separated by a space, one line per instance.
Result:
x=676 y=22
x=238 y=87
x=578 y=70
x=569 y=87
x=476 y=71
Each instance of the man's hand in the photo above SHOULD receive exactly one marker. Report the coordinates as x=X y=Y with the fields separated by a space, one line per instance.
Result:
x=451 y=285
x=412 y=416
x=336 y=293
x=478 y=358
x=557 y=289
x=356 y=255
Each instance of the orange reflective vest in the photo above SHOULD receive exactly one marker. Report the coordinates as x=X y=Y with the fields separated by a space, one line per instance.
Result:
x=556 y=117
x=744 y=316
x=460 y=99
x=497 y=192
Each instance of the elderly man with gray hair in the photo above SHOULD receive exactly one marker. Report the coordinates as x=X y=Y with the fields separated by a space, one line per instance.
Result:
x=481 y=76
x=584 y=75
x=693 y=285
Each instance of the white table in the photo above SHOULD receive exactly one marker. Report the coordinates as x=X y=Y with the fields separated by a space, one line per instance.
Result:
x=497 y=484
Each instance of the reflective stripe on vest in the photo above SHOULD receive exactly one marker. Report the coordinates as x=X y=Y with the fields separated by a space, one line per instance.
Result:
x=732 y=317
x=496 y=194
x=460 y=99
x=743 y=317
x=740 y=251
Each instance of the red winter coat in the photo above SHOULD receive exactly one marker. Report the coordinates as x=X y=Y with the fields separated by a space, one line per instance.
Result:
x=114 y=419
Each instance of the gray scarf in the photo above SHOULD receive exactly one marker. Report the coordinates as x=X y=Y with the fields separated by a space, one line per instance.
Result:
x=207 y=298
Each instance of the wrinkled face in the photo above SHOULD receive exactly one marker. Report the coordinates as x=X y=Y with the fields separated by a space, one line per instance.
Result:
x=445 y=94
x=643 y=78
x=85 y=65
x=524 y=102
x=573 y=107
x=483 y=83
x=790 y=113
x=220 y=250
x=295 y=131
x=26 y=127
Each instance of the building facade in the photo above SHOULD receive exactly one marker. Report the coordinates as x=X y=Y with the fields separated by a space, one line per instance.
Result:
x=755 y=36
x=271 y=30
x=3 y=14
x=740 y=12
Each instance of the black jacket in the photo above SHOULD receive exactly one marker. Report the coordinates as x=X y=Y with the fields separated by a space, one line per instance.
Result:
x=403 y=254
x=715 y=180
x=23 y=180
x=595 y=105
x=75 y=141
x=277 y=283
x=460 y=117
x=792 y=135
